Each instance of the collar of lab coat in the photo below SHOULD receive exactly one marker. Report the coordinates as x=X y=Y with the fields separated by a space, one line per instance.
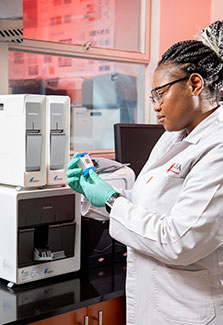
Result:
x=175 y=141
x=204 y=127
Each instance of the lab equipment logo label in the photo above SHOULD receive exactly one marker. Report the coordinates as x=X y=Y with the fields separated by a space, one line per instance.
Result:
x=47 y=271
x=24 y=274
x=33 y=180
x=56 y=178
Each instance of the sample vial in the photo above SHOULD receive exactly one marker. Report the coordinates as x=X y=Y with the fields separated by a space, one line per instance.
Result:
x=85 y=163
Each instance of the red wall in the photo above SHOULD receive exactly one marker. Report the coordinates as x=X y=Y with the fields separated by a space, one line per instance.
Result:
x=181 y=20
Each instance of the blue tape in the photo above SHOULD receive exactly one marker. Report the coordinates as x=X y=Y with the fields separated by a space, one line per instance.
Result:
x=82 y=154
x=86 y=172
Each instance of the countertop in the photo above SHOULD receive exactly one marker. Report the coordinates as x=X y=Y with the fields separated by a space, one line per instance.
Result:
x=42 y=299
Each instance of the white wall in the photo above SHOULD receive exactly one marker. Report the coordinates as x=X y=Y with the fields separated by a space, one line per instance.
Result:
x=216 y=10
x=126 y=35
x=4 y=68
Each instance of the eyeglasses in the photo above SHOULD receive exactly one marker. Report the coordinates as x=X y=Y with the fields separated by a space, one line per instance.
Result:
x=156 y=97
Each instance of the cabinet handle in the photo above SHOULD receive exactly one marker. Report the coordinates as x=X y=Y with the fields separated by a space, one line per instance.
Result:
x=86 y=320
x=100 y=318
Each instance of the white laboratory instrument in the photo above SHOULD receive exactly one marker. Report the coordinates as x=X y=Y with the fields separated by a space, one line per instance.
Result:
x=39 y=233
x=58 y=138
x=22 y=140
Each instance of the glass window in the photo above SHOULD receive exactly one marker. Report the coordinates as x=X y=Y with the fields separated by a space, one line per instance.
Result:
x=102 y=93
x=102 y=23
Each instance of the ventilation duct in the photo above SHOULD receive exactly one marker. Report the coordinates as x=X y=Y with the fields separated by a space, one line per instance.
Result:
x=11 y=30
x=11 y=21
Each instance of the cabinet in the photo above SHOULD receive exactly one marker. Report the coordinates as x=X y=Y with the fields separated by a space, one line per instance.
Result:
x=73 y=317
x=109 y=312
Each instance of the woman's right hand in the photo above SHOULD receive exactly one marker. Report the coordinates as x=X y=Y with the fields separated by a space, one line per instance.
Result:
x=73 y=174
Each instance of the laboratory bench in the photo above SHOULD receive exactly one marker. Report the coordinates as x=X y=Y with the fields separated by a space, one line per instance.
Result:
x=95 y=296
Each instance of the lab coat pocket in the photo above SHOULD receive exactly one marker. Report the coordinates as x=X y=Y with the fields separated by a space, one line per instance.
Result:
x=167 y=192
x=183 y=297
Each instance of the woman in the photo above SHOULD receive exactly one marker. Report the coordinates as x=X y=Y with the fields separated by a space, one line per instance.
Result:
x=172 y=219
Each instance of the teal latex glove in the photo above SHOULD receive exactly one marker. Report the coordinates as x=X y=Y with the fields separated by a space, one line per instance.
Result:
x=73 y=175
x=96 y=190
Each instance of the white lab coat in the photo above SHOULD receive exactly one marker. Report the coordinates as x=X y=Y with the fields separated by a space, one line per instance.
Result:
x=172 y=223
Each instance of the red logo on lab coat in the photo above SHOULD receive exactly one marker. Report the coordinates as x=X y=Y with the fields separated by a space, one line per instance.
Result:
x=174 y=168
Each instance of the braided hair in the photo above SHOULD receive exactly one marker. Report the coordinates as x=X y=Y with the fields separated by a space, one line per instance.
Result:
x=204 y=56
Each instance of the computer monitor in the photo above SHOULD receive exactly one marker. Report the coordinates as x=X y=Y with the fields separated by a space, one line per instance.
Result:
x=134 y=143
